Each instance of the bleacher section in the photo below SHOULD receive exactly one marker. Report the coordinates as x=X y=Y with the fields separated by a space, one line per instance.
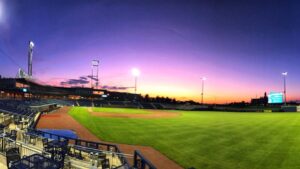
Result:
x=83 y=102
x=101 y=103
x=117 y=104
x=158 y=106
x=31 y=107
x=132 y=104
x=147 y=106
x=17 y=107
x=61 y=102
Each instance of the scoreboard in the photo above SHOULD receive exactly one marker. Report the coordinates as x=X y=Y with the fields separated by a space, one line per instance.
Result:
x=275 y=97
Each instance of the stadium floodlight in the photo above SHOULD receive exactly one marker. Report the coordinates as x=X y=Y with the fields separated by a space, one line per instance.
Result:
x=284 y=74
x=31 y=44
x=95 y=62
x=136 y=73
x=30 y=53
x=202 y=93
x=95 y=72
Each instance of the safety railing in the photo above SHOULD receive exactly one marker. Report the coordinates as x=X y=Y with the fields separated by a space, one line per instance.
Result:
x=104 y=147
x=140 y=162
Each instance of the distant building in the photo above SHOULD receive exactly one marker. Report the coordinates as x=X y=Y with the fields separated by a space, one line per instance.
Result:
x=260 y=101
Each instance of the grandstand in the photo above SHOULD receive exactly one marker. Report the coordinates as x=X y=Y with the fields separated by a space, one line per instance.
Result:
x=83 y=102
x=27 y=89
x=23 y=146
x=17 y=107
x=23 y=101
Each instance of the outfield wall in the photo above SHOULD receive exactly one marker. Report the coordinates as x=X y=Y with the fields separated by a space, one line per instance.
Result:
x=291 y=108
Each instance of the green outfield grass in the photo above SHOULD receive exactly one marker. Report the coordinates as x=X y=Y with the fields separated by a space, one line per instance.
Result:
x=120 y=110
x=209 y=140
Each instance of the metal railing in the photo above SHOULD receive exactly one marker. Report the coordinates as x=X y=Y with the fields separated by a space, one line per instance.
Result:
x=102 y=147
x=140 y=162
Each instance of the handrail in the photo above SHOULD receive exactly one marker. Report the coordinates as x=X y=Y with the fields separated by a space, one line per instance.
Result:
x=140 y=162
x=81 y=142
x=42 y=105
x=12 y=113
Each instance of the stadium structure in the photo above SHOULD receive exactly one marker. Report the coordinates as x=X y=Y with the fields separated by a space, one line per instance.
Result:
x=22 y=145
x=23 y=101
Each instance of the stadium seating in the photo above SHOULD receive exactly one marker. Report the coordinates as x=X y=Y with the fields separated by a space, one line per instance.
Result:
x=83 y=102
x=31 y=106
x=132 y=105
x=147 y=106
x=43 y=145
x=61 y=102
x=17 y=107
x=158 y=106
x=101 y=103
x=117 y=103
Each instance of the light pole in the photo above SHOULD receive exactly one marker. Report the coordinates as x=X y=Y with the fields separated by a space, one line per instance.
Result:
x=202 y=93
x=95 y=71
x=284 y=74
x=30 y=52
x=136 y=73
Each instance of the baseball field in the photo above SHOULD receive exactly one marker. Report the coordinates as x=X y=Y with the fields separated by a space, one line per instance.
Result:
x=204 y=140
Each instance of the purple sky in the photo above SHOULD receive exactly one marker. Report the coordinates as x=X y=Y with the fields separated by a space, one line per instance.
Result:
x=241 y=47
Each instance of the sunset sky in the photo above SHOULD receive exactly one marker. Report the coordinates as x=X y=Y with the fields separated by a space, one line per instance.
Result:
x=241 y=47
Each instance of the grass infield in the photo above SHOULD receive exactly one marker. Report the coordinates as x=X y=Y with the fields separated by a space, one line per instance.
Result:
x=209 y=140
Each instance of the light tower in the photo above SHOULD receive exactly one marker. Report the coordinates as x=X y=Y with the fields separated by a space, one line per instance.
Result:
x=284 y=74
x=202 y=93
x=136 y=73
x=95 y=71
x=30 y=53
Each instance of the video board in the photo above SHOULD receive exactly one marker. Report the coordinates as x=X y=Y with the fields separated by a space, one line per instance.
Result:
x=275 y=97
